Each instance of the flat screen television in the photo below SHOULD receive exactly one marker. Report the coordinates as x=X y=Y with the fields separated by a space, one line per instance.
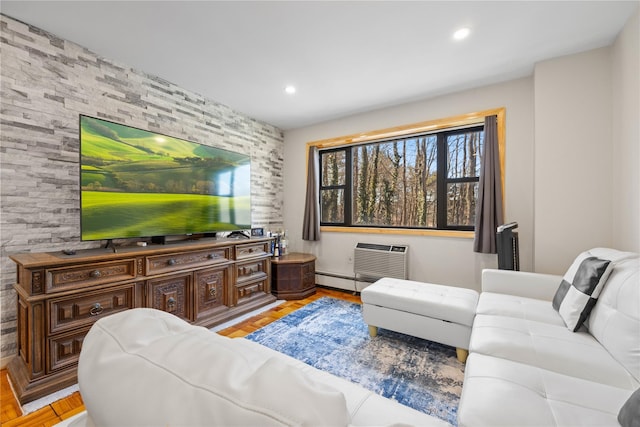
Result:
x=135 y=183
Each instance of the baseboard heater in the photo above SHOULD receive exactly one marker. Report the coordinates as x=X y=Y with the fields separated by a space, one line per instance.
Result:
x=341 y=281
x=339 y=276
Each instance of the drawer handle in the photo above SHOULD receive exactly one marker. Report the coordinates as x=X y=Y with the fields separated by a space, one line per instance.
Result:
x=95 y=274
x=171 y=303
x=96 y=309
x=171 y=261
x=213 y=256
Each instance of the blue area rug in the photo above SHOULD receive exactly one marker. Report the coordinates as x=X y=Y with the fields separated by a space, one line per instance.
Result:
x=330 y=335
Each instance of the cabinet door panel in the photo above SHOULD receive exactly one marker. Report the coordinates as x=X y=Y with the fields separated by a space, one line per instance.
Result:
x=309 y=275
x=171 y=294
x=212 y=294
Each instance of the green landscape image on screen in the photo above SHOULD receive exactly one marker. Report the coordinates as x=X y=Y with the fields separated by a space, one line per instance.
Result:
x=136 y=183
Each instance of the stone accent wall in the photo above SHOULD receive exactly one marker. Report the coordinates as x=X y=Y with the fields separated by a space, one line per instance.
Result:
x=46 y=83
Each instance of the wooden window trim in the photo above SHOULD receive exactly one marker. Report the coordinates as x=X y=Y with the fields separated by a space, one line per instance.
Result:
x=468 y=119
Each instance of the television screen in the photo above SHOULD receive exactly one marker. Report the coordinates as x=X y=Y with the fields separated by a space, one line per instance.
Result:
x=136 y=183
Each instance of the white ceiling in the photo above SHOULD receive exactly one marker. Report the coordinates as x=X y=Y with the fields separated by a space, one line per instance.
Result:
x=343 y=57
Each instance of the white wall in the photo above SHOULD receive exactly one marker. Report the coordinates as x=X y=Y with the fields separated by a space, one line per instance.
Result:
x=433 y=259
x=626 y=137
x=587 y=152
x=572 y=157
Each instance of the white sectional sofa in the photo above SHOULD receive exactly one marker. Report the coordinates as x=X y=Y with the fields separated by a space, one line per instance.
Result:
x=526 y=367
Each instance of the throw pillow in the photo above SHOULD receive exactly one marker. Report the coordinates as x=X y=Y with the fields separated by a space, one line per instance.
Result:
x=582 y=294
x=568 y=279
x=629 y=415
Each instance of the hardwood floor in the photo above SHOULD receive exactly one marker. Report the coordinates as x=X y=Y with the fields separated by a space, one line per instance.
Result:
x=69 y=406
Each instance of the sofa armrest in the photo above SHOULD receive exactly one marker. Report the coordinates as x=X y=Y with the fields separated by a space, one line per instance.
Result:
x=520 y=283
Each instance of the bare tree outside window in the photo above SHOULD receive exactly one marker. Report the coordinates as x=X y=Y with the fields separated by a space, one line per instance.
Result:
x=422 y=181
x=463 y=172
x=332 y=187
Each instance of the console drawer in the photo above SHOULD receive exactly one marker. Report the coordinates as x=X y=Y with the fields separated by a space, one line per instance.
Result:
x=252 y=250
x=84 y=309
x=252 y=270
x=179 y=261
x=247 y=292
x=59 y=279
x=64 y=350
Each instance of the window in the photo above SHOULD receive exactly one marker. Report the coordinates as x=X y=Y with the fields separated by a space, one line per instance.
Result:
x=334 y=187
x=423 y=181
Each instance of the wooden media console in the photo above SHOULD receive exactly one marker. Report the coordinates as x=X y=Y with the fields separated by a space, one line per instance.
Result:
x=205 y=282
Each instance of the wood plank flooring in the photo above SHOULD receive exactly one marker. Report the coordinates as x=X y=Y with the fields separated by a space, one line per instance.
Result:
x=69 y=406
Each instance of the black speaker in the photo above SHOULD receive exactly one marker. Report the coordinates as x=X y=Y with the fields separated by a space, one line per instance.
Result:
x=508 y=251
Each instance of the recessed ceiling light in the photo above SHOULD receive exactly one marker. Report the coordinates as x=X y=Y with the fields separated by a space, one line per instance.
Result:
x=290 y=89
x=462 y=33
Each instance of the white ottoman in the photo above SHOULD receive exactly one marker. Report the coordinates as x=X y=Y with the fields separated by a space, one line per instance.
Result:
x=437 y=313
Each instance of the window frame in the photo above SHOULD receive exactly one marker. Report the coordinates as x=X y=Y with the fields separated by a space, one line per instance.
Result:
x=442 y=220
x=345 y=187
x=432 y=126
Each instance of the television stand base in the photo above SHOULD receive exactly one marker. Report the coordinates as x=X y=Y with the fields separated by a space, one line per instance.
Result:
x=238 y=234
x=161 y=240
x=110 y=243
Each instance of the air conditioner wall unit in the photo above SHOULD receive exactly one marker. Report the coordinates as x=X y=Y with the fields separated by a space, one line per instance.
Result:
x=374 y=261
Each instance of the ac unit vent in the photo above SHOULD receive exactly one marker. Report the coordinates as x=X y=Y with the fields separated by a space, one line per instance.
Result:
x=375 y=246
x=374 y=261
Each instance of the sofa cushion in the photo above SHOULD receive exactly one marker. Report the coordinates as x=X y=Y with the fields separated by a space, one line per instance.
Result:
x=581 y=295
x=615 y=319
x=548 y=346
x=518 y=307
x=147 y=367
x=504 y=392
x=448 y=303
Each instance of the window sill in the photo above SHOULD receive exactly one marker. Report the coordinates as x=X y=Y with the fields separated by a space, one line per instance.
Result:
x=403 y=231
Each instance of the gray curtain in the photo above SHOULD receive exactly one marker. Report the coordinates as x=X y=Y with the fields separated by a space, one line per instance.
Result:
x=311 y=222
x=489 y=207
